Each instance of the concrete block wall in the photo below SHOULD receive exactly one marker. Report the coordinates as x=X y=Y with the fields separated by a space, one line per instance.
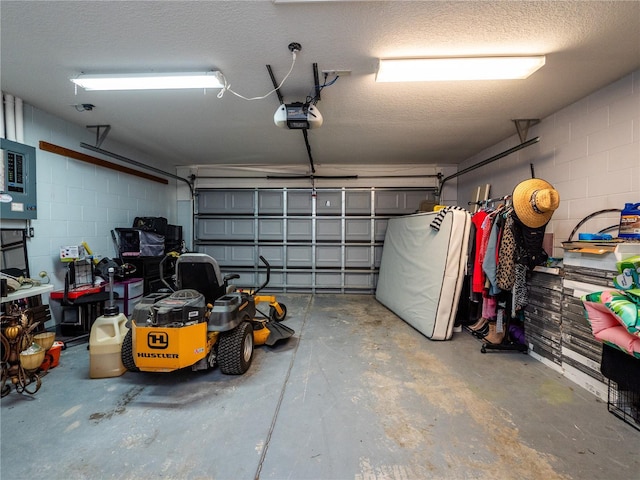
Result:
x=78 y=201
x=589 y=151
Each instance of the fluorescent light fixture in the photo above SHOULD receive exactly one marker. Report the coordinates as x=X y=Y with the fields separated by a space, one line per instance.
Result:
x=453 y=68
x=150 y=81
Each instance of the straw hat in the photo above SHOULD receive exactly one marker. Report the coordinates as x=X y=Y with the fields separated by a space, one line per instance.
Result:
x=534 y=201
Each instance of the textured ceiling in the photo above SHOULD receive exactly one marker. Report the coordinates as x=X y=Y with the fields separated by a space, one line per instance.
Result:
x=43 y=44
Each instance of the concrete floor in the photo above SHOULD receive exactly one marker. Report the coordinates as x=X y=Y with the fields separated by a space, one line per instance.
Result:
x=355 y=394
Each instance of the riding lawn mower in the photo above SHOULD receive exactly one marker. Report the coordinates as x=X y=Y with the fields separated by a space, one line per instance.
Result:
x=204 y=322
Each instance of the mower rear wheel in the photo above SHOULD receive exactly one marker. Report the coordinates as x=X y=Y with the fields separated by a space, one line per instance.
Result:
x=273 y=313
x=126 y=353
x=235 y=349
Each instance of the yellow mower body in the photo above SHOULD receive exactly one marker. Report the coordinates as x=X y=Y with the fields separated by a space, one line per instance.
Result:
x=158 y=349
x=164 y=349
x=186 y=329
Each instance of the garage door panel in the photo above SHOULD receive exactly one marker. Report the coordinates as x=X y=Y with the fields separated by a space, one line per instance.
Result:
x=357 y=230
x=234 y=202
x=357 y=203
x=299 y=256
x=299 y=202
x=299 y=229
x=329 y=230
x=226 y=228
x=329 y=203
x=329 y=256
x=270 y=202
x=271 y=229
x=274 y=254
x=358 y=256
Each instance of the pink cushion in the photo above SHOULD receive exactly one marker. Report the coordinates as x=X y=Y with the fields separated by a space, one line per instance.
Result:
x=619 y=336
x=599 y=316
x=613 y=318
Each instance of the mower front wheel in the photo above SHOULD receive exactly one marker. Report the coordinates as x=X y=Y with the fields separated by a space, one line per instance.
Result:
x=235 y=349
x=126 y=353
x=273 y=313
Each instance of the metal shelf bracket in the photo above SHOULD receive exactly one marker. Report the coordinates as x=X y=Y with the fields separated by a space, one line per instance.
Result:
x=523 y=125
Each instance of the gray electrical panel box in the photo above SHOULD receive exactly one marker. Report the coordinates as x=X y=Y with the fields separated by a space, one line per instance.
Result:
x=18 y=181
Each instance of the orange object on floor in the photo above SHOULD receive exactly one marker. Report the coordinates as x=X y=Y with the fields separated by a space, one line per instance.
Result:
x=52 y=357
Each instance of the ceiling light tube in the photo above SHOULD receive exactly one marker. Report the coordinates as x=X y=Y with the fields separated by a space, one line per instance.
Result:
x=150 y=81
x=452 y=68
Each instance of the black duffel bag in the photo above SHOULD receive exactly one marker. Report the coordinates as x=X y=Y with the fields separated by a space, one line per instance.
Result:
x=151 y=224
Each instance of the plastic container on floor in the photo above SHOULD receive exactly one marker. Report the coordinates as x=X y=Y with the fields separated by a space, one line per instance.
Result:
x=105 y=343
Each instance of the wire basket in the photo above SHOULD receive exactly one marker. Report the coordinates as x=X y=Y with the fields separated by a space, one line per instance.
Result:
x=624 y=404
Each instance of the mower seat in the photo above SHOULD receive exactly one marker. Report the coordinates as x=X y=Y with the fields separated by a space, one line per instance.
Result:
x=201 y=272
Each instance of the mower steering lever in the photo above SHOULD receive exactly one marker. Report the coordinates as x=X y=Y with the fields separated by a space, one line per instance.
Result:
x=266 y=282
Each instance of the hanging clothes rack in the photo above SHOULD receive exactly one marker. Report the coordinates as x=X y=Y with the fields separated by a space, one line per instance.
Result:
x=484 y=203
x=507 y=343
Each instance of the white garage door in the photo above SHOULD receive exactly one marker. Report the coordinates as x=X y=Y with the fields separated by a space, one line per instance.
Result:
x=330 y=241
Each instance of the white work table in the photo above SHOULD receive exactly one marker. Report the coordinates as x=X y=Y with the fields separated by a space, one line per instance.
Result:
x=27 y=292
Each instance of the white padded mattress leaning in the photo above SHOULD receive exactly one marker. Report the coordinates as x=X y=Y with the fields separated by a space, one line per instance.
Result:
x=422 y=270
